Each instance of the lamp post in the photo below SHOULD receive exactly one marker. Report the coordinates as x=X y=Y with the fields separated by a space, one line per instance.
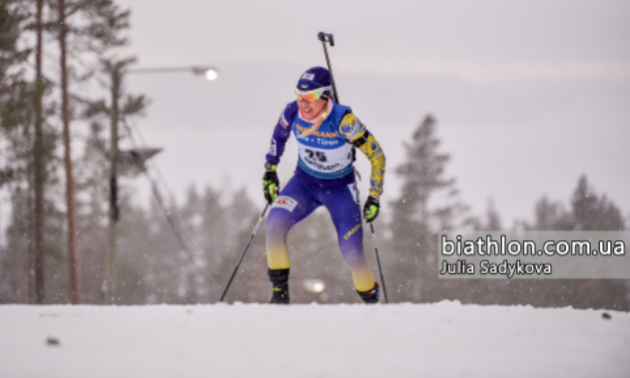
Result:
x=210 y=73
x=117 y=72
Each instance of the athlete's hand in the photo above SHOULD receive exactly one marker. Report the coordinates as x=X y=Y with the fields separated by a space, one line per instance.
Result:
x=271 y=185
x=371 y=209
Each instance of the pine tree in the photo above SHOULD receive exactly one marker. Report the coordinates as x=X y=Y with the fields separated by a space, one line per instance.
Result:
x=591 y=212
x=29 y=148
x=95 y=31
x=16 y=132
x=93 y=28
x=493 y=220
x=588 y=211
x=427 y=204
x=550 y=215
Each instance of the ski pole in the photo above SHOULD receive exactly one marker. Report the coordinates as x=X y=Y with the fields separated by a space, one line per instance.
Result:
x=378 y=260
x=330 y=39
x=262 y=216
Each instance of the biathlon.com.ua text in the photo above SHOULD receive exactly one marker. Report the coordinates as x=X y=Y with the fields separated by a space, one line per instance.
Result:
x=490 y=247
x=571 y=255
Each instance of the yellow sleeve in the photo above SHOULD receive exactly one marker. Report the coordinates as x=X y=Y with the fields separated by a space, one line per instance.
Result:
x=356 y=133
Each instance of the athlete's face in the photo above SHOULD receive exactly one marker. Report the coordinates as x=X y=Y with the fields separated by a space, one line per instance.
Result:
x=311 y=108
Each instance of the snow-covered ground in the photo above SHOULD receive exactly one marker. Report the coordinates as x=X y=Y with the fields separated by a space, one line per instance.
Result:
x=402 y=340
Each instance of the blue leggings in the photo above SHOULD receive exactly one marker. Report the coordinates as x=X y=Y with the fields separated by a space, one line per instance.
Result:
x=299 y=199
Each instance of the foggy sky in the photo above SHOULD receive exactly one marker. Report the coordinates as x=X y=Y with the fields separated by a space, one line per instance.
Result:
x=528 y=95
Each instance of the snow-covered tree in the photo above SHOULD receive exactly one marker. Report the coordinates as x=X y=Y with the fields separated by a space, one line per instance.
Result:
x=428 y=203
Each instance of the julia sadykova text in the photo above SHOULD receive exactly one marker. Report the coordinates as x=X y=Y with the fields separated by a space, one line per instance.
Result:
x=488 y=268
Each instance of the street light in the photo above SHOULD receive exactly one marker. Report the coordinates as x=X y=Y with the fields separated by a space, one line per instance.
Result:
x=117 y=70
x=210 y=73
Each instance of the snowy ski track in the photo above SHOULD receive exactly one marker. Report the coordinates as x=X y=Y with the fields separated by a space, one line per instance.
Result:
x=446 y=339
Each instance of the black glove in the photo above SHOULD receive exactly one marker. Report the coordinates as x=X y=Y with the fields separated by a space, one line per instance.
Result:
x=371 y=209
x=271 y=186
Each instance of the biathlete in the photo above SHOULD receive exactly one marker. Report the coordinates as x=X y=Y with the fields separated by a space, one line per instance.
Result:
x=327 y=134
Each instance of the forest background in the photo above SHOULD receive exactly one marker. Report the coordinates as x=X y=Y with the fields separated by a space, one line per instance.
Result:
x=170 y=252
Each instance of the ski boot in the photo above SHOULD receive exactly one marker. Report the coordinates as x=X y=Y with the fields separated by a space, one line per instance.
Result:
x=371 y=296
x=280 y=280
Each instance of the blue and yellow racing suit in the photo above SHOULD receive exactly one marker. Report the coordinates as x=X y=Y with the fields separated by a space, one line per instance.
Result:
x=324 y=176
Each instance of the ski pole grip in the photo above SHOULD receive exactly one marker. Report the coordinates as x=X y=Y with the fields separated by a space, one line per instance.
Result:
x=325 y=37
